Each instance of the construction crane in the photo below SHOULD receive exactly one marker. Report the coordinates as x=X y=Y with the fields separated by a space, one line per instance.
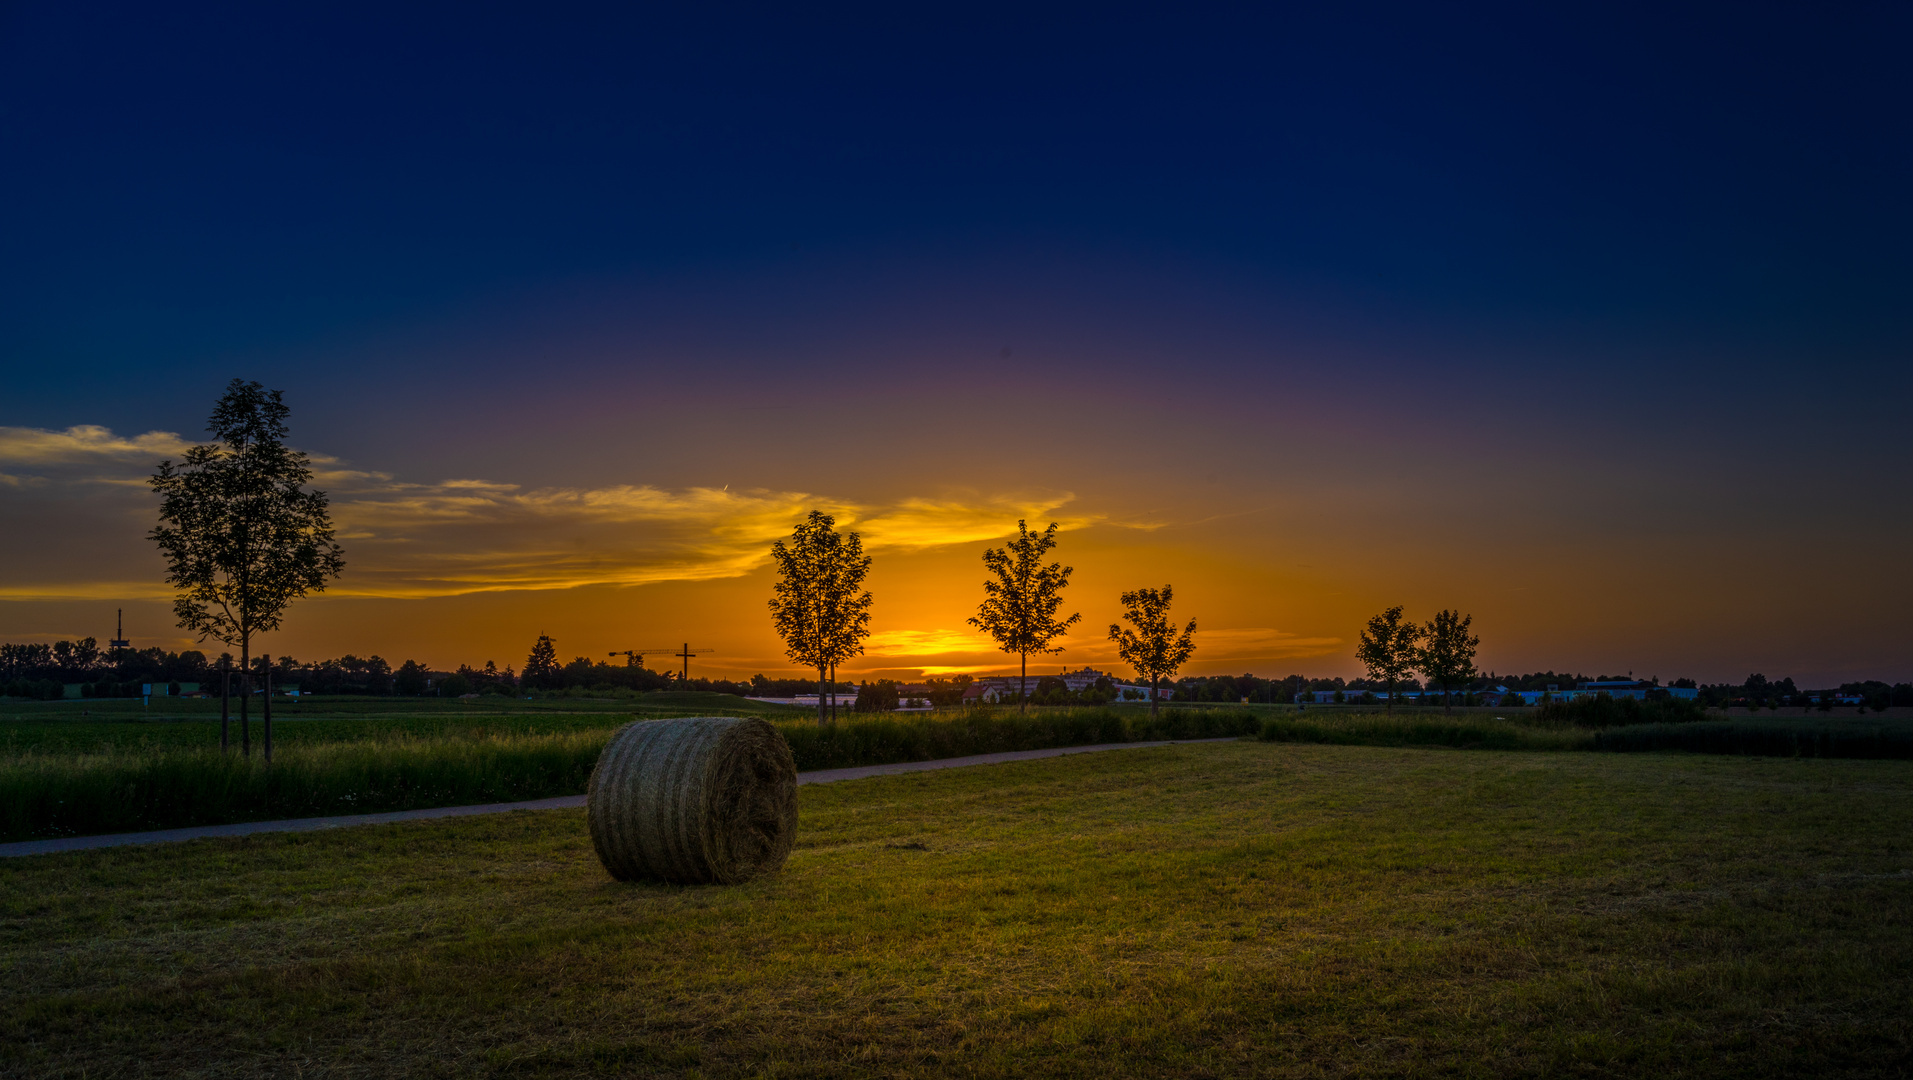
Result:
x=685 y=654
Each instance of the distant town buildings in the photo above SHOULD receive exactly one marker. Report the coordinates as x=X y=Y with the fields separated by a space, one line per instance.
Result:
x=1002 y=688
x=1617 y=689
x=1638 y=689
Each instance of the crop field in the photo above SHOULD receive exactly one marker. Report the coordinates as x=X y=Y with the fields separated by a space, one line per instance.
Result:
x=1226 y=909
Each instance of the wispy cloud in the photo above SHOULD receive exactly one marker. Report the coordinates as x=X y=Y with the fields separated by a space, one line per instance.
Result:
x=154 y=589
x=84 y=443
x=957 y=652
x=407 y=539
x=1261 y=643
x=923 y=523
x=892 y=644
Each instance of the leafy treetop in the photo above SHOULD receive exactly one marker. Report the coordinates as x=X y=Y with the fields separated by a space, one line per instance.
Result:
x=1390 y=649
x=1448 y=652
x=1019 y=605
x=1154 y=648
x=241 y=535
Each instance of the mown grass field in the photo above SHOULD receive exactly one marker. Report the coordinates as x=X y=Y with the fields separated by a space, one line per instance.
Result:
x=1228 y=909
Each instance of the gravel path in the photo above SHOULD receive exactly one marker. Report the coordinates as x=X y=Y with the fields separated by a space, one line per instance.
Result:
x=248 y=828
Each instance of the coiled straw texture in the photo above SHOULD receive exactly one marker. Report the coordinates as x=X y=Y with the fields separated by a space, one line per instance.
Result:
x=699 y=800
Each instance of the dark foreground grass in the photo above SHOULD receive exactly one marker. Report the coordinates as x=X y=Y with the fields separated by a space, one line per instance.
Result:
x=1230 y=909
x=1788 y=737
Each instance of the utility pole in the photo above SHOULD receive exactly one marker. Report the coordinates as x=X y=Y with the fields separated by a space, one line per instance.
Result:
x=686 y=653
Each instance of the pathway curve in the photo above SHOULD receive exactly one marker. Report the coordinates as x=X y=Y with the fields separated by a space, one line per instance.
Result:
x=248 y=828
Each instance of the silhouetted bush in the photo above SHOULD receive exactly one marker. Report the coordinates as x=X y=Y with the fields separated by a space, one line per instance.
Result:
x=1420 y=729
x=36 y=689
x=1602 y=711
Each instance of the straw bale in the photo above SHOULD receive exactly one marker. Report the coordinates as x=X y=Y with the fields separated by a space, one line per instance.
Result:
x=697 y=800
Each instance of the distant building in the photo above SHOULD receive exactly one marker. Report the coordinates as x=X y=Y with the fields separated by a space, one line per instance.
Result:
x=809 y=701
x=1083 y=679
x=1638 y=689
x=1005 y=688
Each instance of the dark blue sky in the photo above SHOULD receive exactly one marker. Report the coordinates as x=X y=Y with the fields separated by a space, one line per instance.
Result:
x=189 y=186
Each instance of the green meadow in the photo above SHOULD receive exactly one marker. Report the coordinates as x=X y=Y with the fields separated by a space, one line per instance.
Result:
x=73 y=770
x=1241 y=908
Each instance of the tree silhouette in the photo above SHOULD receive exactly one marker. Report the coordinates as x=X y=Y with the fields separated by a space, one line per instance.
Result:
x=1019 y=607
x=816 y=605
x=1448 y=654
x=1154 y=648
x=846 y=607
x=542 y=665
x=1390 y=649
x=241 y=535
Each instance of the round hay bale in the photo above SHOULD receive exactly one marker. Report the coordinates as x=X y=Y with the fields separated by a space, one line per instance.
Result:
x=699 y=800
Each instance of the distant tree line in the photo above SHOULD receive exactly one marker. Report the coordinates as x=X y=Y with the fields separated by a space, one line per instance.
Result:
x=44 y=670
x=1759 y=692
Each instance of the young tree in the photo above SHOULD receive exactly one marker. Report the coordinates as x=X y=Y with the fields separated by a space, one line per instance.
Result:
x=846 y=607
x=242 y=536
x=1390 y=649
x=1154 y=648
x=816 y=605
x=1447 y=655
x=1019 y=607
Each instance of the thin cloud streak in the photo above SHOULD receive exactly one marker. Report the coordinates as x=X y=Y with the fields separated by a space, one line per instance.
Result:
x=955 y=652
x=84 y=443
x=461 y=536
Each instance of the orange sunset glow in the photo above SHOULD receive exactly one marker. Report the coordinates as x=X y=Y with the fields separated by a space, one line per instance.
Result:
x=471 y=569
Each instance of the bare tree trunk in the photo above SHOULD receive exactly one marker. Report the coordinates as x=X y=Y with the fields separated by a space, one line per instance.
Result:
x=833 y=693
x=245 y=695
x=1023 y=685
x=225 y=702
x=265 y=705
x=823 y=687
x=1155 y=692
x=1391 y=697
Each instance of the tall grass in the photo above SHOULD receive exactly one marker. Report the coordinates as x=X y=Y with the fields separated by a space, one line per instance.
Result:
x=1788 y=737
x=66 y=795
x=1602 y=711
x=126 y=789
x=885 y=739
x=77 y=737
x=1424 y=729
